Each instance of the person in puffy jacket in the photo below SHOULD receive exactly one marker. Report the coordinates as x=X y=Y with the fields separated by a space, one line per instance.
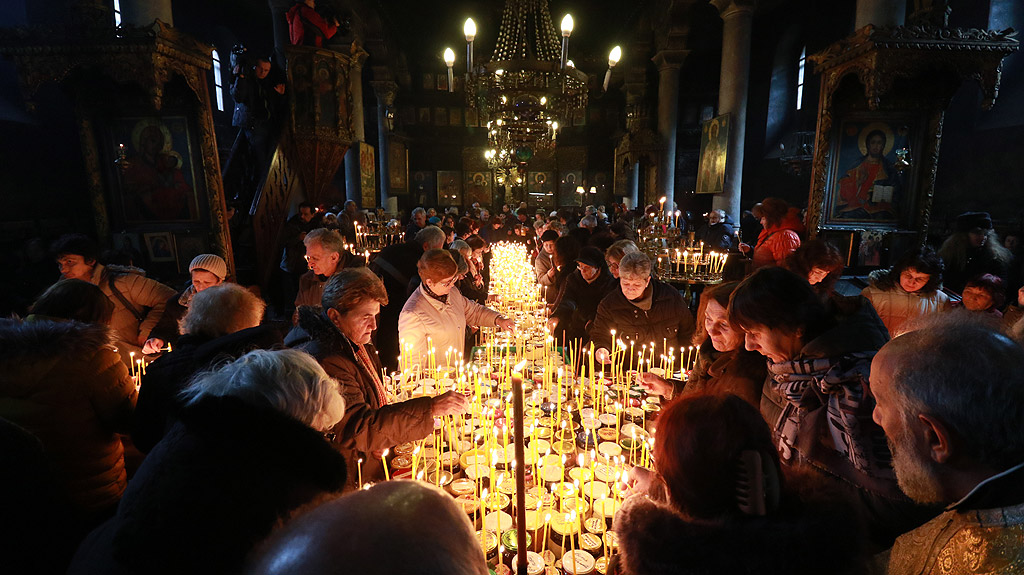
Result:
x=62 y=380
x=910 y=289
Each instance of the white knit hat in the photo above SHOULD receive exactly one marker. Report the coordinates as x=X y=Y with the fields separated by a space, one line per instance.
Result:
x=211 y=263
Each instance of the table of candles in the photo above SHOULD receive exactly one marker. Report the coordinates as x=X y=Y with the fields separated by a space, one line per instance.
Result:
x=586 y=424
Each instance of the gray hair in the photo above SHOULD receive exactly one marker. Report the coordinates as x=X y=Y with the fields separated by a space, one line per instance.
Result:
x=332 y=538
x=619 y=249
x=558 y=227
x=588 y=222
x=222 y=309
x=288 y=381
x=461 y=247
x=720 y=212
x=965 y=373
x=635 y=264
x=329 y=240
x=418 y=211
x=431 y=235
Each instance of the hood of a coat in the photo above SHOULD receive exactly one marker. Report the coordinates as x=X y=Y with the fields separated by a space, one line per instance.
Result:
x=33 y=347
x=858 y=329
x=818 y=533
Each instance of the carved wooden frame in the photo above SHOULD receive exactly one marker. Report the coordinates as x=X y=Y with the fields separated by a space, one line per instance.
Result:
x=882 y=60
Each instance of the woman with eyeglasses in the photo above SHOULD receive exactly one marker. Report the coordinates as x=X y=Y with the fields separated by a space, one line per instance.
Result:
x=438 y=311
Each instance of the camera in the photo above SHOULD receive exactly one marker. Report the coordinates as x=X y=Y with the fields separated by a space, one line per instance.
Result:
x=240 y=60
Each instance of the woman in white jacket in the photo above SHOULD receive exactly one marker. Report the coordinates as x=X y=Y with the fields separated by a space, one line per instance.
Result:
x=439 y=311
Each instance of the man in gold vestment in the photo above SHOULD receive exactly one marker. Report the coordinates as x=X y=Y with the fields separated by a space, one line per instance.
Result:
x=950 y=398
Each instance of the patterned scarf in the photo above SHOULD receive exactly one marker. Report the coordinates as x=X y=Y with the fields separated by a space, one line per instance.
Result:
x=429 y=292
x=826 y=399
x=363 y=358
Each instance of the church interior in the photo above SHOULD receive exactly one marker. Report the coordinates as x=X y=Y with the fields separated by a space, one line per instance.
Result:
x=629 y=286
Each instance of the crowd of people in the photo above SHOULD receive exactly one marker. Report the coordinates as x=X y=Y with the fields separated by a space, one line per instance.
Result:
x=817 y=432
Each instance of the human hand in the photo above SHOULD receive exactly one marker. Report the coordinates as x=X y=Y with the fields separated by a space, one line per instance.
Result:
x=505 y=323
x=552 y=324
x=279 y=88
x=602 y=355
x=640 y=479
x=449 y=403
x=744 y=247
x=153 y=345
x=655 y=384
x=1020 y=297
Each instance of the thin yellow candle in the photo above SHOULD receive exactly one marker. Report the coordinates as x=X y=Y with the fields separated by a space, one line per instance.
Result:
x=384 y=460
x=359 y=471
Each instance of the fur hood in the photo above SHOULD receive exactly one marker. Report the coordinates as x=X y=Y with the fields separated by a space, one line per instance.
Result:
x=816 y=531
x=41 y=337
x=325 y=336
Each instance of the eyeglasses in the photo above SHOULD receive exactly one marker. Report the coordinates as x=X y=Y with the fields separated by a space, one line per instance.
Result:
x=612 y=265
x=450 y=282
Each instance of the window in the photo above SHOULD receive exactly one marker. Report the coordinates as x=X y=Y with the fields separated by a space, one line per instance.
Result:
x=218 y=83
x=800 y=78
x=117 y=13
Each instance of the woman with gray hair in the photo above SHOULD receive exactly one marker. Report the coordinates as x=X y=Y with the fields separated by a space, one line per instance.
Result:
x=341 y=334
x=248 y=450
x=644 y=310
x=222 y=323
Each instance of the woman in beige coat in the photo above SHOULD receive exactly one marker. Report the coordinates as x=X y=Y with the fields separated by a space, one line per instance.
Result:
x=910 y=289
x=438 y=311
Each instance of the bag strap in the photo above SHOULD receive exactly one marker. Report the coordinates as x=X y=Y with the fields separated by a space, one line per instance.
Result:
x=124 y=301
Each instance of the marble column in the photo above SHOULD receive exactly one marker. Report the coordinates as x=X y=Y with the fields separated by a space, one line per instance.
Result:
x=353 y=183
x=737 y=17
x=668 y=63
x=385 y=91
x=880 y=13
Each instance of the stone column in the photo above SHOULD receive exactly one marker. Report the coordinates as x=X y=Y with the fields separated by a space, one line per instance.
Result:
x=668 y=62
x=737 y=16
x=353 y=183
x=880 y=13
x=385 y=91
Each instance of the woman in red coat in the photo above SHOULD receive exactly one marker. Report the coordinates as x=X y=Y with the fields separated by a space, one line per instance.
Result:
x=306 y=27
x=780 y=236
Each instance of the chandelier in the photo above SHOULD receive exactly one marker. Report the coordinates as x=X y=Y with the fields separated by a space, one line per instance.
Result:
x=529 y=88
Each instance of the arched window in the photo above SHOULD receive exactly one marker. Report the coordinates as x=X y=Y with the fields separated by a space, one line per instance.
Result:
x=218 y=82
x=800 y=78
x=117 y=13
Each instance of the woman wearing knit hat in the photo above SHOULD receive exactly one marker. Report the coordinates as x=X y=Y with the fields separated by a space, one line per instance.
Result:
x=973 y=249
x=207 y=270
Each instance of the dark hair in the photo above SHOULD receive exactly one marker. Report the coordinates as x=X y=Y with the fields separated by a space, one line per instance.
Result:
x=76 y=245
x=76 y=300
x=773 y=210
x=720 y=295
x=991 y=284
x=476 y=242
x=567 y=249
x=820 y=254
x=780 y=299
x=700 y=440
x=937 y=371
x=463 y=228
x=924 y=260
x=307 y=205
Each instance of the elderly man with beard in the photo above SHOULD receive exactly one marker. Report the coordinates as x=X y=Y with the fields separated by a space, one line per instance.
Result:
x=950 y=398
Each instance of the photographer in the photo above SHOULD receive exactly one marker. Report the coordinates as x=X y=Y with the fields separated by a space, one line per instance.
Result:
x=258 y=97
